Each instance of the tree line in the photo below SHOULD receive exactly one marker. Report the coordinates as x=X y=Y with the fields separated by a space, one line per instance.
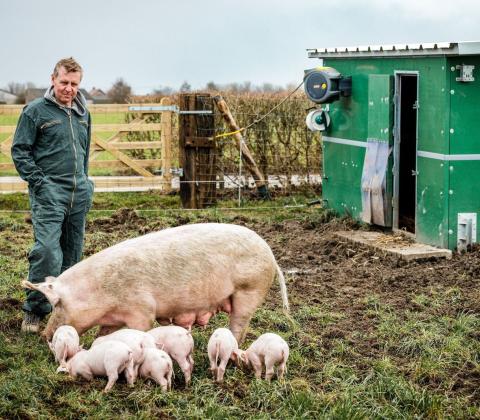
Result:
x=121 y=91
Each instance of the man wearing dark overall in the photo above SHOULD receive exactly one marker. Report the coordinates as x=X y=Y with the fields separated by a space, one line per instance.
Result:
x=50 y=151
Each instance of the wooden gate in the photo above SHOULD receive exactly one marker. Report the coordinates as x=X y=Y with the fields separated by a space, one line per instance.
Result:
x=108 y=137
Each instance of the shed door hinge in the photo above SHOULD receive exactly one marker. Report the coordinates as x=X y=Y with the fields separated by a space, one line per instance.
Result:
x=466 y=73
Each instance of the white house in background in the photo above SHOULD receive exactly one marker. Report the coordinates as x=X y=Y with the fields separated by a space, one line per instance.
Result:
x=7 y=97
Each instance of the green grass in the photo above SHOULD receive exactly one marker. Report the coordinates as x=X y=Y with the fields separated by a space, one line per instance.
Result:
x=110 y=118
x=413 y=374
x=9 y=119
x=97 y=118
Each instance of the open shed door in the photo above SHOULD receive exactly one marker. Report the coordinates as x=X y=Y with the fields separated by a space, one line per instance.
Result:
x=376 y=178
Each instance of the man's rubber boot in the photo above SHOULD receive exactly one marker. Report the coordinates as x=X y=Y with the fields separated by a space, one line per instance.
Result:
x=31 y=323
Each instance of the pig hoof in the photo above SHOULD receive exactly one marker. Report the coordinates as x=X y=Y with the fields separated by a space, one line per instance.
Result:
x=62 y=369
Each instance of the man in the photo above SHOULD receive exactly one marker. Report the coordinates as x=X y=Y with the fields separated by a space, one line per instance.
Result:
x=50 y=151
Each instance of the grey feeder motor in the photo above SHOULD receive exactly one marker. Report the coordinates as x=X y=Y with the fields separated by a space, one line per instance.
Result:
x=324 y=85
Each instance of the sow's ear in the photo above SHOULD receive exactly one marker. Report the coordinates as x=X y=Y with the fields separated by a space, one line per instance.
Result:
x=47 y=288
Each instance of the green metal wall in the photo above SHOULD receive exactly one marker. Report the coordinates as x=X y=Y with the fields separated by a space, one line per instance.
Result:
x=350 y=120
x=342 y=172
x=464 y=136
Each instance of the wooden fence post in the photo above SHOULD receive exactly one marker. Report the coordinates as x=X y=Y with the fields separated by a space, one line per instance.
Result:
x=166 y=139
x=197 y=153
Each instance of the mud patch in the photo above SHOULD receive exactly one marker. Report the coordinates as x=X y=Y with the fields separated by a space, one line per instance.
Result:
x=10 y=303
x=11 y=325
x=117 y=221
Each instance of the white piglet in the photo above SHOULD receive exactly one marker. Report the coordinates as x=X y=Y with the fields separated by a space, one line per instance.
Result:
x=157 y=365
x=221 y=347
x=109 y=359
x=269 y=349
x=178 y=343
x=64 y=345
x=136 y=340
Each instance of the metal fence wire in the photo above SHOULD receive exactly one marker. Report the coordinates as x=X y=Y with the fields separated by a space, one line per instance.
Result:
x=286 y=152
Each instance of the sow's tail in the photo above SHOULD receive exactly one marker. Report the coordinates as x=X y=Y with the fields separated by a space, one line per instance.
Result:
x=283 y=290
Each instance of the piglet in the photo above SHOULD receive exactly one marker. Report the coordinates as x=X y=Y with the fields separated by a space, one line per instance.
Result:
x=157 y=365
x=109 y=359
x=269 y=349
x=135 y=339
x=64 y=345
x=178 y=343
x=223 y=345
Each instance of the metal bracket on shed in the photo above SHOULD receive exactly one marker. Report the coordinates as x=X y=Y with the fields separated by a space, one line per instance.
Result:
x=466 y=230
x=466 y=73
x=171 y=108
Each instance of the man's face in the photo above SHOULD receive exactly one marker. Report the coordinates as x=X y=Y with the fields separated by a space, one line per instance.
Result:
x=65 y=86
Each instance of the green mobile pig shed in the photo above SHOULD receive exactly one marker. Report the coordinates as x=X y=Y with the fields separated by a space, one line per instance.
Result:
x=402 y=146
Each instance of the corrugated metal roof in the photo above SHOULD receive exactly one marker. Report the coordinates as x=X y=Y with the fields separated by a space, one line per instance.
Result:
x=395 y=50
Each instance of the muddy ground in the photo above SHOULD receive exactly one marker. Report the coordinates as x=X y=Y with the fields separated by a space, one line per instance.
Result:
x=326 y=272
x=336 y=277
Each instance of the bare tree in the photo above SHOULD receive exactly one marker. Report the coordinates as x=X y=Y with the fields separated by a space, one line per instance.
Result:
x=163 y=91
x=212 y=86
x=19 y=89
x=185 y=87
x=246 y=87
x=120 y=92
x=268 y=88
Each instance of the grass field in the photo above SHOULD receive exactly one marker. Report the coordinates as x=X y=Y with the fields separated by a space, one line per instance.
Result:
x=97 y=118
x=374 y=337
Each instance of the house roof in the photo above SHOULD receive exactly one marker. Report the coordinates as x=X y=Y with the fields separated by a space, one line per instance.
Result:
x=6 y=92
x=96 y=92
x=399 y=50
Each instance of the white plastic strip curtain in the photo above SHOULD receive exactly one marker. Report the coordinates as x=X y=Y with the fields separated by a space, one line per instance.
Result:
x=374 y=182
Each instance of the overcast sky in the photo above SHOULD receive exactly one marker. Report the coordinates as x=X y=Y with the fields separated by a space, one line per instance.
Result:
x=154 y=43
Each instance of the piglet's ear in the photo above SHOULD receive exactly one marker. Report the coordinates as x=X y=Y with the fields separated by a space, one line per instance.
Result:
x=47 y=288
x=237 y=356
